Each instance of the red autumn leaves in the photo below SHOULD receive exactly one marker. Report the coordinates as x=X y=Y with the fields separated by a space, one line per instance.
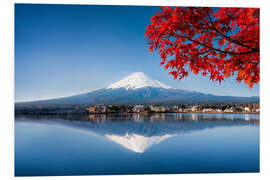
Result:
x=215 y=42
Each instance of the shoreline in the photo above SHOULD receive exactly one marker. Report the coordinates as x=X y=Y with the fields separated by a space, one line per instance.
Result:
x=145 y=114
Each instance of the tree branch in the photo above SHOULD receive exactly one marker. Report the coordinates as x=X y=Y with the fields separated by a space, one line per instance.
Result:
x=229 y=39
x=215 y=49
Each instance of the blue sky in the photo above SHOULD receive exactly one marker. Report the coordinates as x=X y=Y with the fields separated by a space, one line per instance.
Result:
x=62 y=50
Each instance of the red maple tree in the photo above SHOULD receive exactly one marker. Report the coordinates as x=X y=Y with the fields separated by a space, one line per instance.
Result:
x=218 y=42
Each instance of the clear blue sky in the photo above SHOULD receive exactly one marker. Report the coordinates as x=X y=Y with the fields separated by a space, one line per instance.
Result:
x=63 y=50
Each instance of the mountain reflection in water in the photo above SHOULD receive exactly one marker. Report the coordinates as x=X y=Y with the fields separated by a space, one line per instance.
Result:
x=138 y=133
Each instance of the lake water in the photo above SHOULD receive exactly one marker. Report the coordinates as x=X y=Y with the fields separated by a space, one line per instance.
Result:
x=134 y=144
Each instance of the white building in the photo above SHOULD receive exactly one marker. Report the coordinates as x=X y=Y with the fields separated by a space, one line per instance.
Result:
x=208 y=110
x=246 y=109
x=138 y=108
x=180 y=110
x=193 y=108
x=228 y=110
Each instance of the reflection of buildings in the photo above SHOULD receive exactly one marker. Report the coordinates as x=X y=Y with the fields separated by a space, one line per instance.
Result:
x=138 y=133
x=92 y=117
x=194 y=117
x=97 y=118
x=157 y=117
x=247 y=117
x=137 y=117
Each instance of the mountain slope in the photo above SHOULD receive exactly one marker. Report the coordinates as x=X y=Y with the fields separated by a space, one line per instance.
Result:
x=140 y=89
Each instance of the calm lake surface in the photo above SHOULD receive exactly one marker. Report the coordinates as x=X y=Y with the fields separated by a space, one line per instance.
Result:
x=134 y=144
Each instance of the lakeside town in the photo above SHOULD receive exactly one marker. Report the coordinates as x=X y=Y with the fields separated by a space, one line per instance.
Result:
x=136 y=108
x=182 y=108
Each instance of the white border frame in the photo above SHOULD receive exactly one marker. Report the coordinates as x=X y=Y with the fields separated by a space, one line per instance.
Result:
x=7 y=85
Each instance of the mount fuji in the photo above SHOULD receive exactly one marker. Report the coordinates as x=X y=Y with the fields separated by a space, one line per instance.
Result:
x=138 y=88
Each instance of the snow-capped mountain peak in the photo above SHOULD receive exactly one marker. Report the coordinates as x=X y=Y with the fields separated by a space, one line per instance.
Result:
x=137 y=80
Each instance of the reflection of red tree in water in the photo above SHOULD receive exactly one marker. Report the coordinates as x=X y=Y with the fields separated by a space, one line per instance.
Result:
x=216 y=42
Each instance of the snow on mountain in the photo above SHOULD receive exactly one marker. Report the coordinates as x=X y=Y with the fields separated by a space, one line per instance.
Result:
x=138 y=88
x=137 y=80
x=137 y=143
